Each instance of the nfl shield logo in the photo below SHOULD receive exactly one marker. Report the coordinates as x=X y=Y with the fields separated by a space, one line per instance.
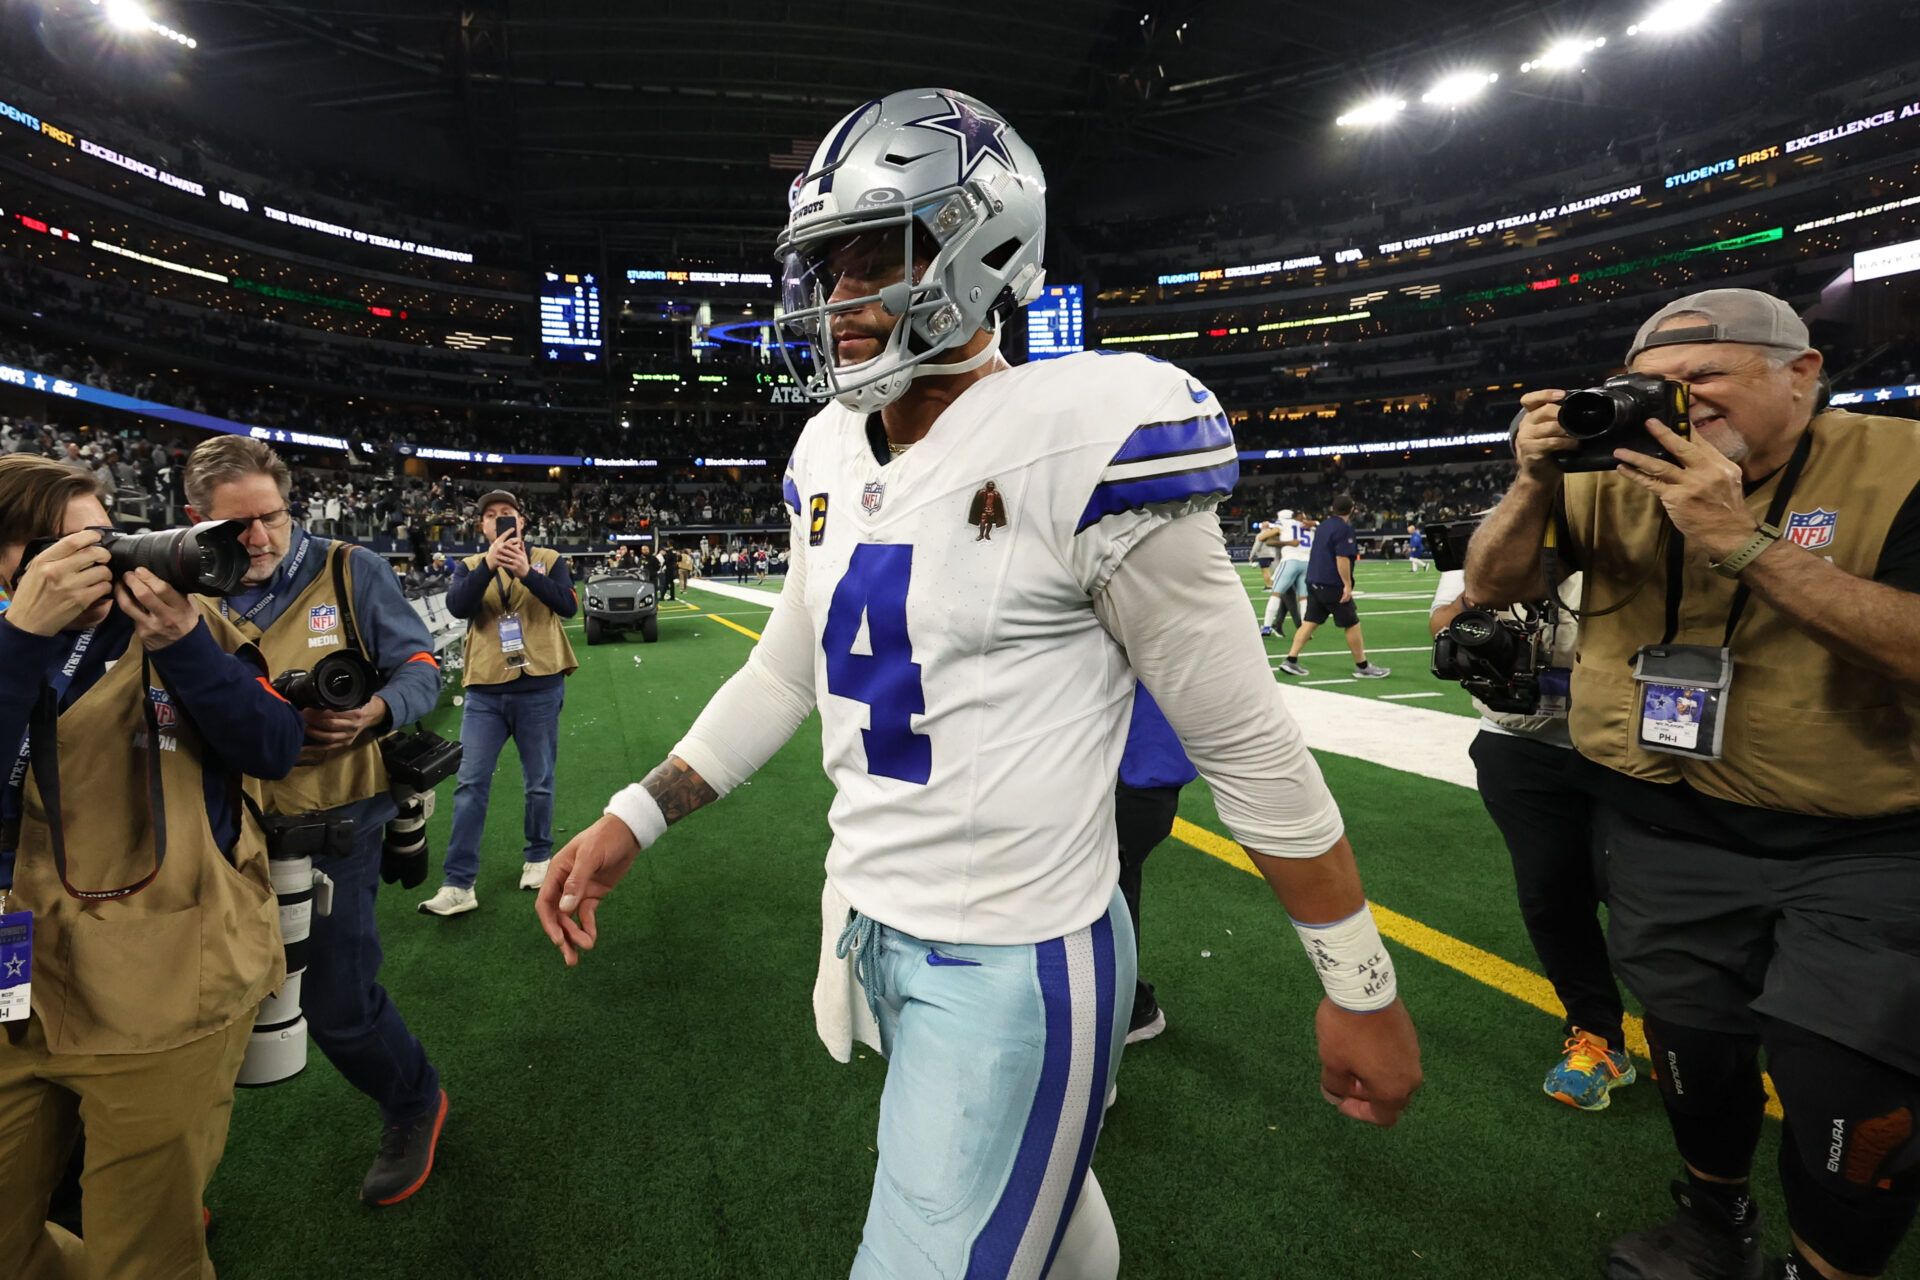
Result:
x=1813 y=529
x=323 y=617
x=871 y=495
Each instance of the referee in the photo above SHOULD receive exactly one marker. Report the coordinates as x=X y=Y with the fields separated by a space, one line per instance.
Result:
x=1330 y=593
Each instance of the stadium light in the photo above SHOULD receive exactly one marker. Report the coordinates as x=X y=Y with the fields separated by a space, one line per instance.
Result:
x=128 y=15
x=1564 y=54
x=1375 y=111
x=1670 y=16
x=1457 y=87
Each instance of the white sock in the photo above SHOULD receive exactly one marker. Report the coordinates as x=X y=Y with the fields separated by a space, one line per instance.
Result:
x=1273 y=610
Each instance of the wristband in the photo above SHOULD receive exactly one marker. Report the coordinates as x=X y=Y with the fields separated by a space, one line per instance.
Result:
x=1352 y=961
x=1763 y=537
x=637 y=808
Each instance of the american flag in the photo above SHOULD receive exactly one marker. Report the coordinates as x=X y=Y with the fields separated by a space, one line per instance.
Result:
x=794 y=158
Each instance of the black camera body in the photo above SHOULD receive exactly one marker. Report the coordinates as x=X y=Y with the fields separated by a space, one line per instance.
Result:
x=1497 y=660
x=340 y=681
x=205 y=559
x=1614 y=415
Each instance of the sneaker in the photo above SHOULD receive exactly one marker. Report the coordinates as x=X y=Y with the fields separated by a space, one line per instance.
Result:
x=1372 y=671
x=1292 y=668
x=1589 y=1072
x=452 y=900
x=1700 y=1242
x=406 y=1157
x=534 y=874
x=1147 y=1022
x=1265 y=632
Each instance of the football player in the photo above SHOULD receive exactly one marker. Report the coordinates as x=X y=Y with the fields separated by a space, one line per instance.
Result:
x=1294 y=536
x=974 y=694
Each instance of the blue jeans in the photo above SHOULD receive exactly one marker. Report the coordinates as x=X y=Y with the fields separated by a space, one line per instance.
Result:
x=532 y=720
x=998 y=1064
x=348 y=1013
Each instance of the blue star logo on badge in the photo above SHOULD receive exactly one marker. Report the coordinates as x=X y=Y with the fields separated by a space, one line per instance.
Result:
x=15 y=967
x=980 y=135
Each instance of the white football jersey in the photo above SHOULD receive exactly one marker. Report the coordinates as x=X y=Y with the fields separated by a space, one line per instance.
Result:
x=973 y=709
x=1299 y=534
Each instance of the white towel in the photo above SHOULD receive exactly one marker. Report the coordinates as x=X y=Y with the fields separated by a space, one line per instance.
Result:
x=840 y=1012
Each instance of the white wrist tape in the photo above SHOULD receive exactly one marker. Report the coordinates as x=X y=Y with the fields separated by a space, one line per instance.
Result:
x=641 y=812
x=1352 y=962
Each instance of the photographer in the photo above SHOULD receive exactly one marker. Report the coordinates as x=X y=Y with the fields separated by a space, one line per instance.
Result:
x=306 y=597
x=1763 y=844
x=1520 y=762
x=517 y=659
x=153 y=933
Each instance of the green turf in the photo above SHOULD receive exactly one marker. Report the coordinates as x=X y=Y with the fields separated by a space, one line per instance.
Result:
x=665 y=1110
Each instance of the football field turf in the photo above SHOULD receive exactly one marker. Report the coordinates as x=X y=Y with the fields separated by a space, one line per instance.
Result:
x=665 y=1110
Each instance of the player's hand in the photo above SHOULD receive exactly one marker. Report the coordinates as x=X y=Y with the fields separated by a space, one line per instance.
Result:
x=1369 y=1062
x=1701 y=490
x=161 y=615
x=1346 y=594
x=583 y=873
x=63 y=582
x=1541 y=436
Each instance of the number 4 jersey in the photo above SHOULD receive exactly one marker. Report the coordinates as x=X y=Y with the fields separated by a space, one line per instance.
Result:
x=973 y=709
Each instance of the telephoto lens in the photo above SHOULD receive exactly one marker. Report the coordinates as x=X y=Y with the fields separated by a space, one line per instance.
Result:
x=206 y=559
x=403 y=856
x=338 y=682
x=277 y=1049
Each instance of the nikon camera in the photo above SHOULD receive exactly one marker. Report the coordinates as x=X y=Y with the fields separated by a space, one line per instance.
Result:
x=1497 y=660
x=206 y=559
x=1614 y=415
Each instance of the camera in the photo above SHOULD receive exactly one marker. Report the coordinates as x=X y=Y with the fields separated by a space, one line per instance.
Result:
x=1447 y=542
x=416 y=763
x=1613 y=416
x=1497 y=660
x=205 y=559
x=277 y=1049
x=338 y=682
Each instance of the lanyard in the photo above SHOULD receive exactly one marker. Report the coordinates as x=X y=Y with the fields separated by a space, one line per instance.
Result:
x=56 y=687
x=1676 y=547
x=293 y=568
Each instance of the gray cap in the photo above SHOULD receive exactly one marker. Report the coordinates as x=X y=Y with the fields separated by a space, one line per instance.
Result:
x=492 y=496
x=1732 y=315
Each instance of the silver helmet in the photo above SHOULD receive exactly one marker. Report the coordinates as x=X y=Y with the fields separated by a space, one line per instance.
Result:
x=936 y=178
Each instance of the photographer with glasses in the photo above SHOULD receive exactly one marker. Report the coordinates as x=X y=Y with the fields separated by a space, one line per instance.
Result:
x=1746 y=709
x=306 y=597
x=138 y=931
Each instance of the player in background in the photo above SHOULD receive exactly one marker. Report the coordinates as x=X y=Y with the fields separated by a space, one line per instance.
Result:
x=1416 y=549
x=1330 y=594
x=1293 y=535
x=1263 y=555
x=974 y=694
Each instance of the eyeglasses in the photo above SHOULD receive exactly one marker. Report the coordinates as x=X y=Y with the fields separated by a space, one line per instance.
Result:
x=272 y=521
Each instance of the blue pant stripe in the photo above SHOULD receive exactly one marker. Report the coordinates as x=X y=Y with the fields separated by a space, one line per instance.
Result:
x=999 y=1241
x=1103 y=986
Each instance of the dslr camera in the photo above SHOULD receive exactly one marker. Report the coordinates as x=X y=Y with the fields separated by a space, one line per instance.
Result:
x=1613 y=416
x=1497 y=660
x=205 y=559
x=341 y=681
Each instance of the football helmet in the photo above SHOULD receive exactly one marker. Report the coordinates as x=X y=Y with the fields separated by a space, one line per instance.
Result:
x=938 y=179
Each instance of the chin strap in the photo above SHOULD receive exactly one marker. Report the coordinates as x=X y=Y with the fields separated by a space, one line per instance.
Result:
x=928 y=369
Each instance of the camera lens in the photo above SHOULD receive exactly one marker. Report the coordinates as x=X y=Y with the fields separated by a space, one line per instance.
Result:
x=206 y=559
x=1482 y=636
x=1594 y=412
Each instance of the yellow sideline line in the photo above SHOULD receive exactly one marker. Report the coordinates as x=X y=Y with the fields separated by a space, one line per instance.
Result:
x=1483 y=967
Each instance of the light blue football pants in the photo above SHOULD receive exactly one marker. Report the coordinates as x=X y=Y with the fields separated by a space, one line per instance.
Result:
x=999 y=1059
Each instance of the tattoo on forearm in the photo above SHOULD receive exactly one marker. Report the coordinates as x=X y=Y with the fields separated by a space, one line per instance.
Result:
x=678 y=789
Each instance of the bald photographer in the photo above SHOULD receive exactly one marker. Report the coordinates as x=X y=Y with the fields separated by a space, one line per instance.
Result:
x=1743 y=706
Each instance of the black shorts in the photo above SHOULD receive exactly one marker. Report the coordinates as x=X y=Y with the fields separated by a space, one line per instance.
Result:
x=1325 y=602
x=1717 y=939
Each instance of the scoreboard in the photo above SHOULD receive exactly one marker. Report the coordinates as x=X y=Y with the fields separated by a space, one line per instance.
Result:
x=1054 y=323
x=570 y=316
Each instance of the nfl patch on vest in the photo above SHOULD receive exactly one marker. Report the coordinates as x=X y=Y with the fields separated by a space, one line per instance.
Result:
x=323 y=617
x=1812 y=529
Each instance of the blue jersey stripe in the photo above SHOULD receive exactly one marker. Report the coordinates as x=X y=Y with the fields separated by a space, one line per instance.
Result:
x=1165 y=439
x=997 y=1244
x=791 y=493
x=1103 y=1038
x=1115 y=496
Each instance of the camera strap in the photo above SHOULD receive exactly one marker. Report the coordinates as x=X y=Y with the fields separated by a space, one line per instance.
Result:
x=46 y=772
x=10 y=802
x=1676 y=548
x=337 y=561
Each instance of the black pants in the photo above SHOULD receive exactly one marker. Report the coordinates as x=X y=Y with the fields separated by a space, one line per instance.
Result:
x=1144 y=817
x=1548 y=826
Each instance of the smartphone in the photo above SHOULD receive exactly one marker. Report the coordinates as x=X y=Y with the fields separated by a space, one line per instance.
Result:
x=505 y=525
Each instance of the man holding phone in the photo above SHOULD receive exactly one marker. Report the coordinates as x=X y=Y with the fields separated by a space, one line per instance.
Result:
x=517 y=659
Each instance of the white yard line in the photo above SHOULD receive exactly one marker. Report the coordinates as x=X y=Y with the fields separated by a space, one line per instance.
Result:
x=1395 y=697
